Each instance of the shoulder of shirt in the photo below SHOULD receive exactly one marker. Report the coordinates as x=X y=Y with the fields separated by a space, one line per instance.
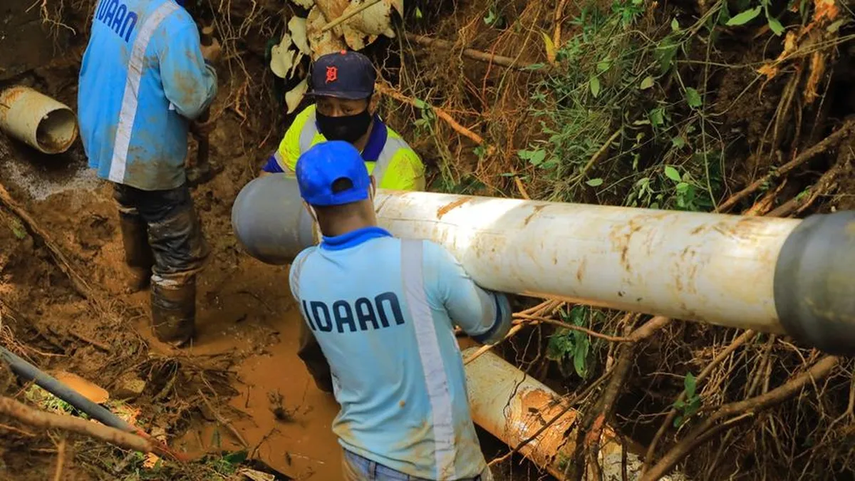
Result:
x=397 y=142
x=179 y=19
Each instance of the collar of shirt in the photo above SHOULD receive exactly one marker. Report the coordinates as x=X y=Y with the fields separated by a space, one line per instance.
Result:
x=353 y=238
x=376 y=141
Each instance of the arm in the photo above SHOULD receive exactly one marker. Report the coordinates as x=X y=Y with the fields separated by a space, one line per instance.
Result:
x=406 y=172
x=309 y=351
x=484 y=315
x=189 y=82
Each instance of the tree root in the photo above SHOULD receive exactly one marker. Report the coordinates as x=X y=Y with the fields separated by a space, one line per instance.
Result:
x=736 y=412
x=826 y=144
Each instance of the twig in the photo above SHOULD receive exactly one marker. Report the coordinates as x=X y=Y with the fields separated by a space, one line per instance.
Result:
x=223 y=421
x=594 y=158
x=481 y=350
x=776 y=396
x=739 y=341
x=385 y=90
x=60 y=460
x=95 y=343
x=356 y=11
x=33 y=417
x=571 y=327
x=559 y=14
x=800 y=159
x=468 y=52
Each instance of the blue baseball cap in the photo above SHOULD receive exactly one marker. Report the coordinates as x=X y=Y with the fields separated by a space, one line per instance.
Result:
x=345 y=75
x=327 y=163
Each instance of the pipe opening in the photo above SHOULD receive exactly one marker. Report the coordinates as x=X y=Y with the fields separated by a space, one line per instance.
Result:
x=56 y=131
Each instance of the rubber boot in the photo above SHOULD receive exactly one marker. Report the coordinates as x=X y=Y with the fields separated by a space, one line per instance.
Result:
x=138 y=255
x=173 y=312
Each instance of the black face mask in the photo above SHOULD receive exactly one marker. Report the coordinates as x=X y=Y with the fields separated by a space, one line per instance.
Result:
x=348 y=128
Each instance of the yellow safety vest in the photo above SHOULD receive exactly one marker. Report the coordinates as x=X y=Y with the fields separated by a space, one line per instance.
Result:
x=397 y=167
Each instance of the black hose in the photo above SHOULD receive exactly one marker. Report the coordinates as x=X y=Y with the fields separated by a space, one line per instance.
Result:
x=29 y=372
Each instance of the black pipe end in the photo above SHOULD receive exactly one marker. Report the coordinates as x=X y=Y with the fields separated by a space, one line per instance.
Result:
x=814 y=283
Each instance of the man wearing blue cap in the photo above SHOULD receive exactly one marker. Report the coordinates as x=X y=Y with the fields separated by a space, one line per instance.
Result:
x=144 y=77
x=379 y=331
x=342 y=84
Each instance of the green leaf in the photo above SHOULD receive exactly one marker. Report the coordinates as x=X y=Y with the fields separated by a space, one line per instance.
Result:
x=689 y=384
x=646 y=83
x=595 y=86
x=675 y=25
x=595 y=182
x=420 y=104
x=603 y=66
x=836 y=25
x=678 y=420
x=537 y=157
x=693 y=98
x=236 y=457
x=744 y=17
x=678 y=142
x=776 y=26
x=657 y=117
x=672 y=173
x=419 y=15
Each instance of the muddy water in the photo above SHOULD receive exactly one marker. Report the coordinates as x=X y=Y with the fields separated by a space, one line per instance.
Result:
x=249 y=312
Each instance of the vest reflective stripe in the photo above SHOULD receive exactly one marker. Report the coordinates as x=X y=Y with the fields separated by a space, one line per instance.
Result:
x=310 y=130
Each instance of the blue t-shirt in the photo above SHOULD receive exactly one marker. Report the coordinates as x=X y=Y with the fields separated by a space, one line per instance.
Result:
x=382 y=310
x=142 y=77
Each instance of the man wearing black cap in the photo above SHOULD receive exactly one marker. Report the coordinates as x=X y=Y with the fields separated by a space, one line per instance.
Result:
x=342 y=84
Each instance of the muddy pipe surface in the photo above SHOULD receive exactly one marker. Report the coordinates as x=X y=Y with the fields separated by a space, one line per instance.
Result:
x=27 y=371
x=37 y=120
x=721 y=269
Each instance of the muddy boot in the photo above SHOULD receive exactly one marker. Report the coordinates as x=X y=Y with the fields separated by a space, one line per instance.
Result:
x=138 y=254
x=173 y=312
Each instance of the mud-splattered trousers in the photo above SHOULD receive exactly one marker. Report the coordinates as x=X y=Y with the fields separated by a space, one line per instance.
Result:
x=161 y=230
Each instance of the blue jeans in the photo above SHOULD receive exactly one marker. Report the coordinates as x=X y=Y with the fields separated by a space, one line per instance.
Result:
x=358 y=468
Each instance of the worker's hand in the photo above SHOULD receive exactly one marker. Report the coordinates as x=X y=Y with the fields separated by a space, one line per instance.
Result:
x=212 y=52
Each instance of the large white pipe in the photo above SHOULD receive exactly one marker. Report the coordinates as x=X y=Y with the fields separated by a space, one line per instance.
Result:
x=37 y=120
x=514 y=407
x=768 y=274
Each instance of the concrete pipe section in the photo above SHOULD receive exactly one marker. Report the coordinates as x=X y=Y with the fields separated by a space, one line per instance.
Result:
x=37 y=120
x=772 y=275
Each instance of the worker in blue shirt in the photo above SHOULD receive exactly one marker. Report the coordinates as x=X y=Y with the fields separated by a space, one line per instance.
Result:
x=144 y=77
x=382 y=311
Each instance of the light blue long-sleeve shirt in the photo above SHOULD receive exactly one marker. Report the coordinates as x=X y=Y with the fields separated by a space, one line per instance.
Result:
x=382 y=310
x=142 y=77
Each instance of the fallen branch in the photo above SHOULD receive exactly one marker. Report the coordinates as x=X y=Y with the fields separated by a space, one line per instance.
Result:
x=468 y=52
x=706 y=430
x=800 y=159
x=46 y=420
x=386 y=90
x=649 y=328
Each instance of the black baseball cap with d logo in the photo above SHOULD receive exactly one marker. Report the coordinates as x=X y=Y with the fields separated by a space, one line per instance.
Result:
x=345 y=75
